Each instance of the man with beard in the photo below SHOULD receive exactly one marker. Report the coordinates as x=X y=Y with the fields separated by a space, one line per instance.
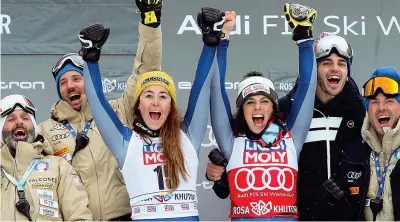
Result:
x=333 y=175
x=35 y=185
x=73 y=134
x=381 y=131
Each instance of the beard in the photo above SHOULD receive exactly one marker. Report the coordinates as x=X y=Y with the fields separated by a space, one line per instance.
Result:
x=11 y=142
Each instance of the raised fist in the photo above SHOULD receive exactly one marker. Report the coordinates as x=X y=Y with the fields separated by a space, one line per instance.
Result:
x=211 y=21
x=92 y=40
x=150 y=11
x=301 y=19
x=230 y=21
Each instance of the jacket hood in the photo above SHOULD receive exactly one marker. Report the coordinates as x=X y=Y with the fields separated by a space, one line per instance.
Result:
x=390 y=141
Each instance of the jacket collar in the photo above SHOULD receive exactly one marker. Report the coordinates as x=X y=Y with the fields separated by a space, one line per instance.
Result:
x=63 y=111
x=26 y=152
x=390 y=141
x=350 y=96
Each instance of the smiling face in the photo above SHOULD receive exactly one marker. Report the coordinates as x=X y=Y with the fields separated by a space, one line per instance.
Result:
x=383 y=112
x=332 y=75
x=71 y=88
x=257 y=112
x=154 y=106
x=18 y=126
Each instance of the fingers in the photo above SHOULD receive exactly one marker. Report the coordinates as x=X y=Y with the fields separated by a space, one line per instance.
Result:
x=214 y=172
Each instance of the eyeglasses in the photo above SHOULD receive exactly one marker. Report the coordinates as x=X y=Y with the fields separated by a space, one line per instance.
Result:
x=71 y=58
x=386 y=84
x=10 y=103
x=323 y=47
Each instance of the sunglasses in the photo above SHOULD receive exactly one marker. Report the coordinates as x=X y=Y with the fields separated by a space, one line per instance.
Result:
x=71 y=58
x=388 y=86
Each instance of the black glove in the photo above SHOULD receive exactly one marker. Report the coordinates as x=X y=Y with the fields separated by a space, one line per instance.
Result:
x=150 y=11
x=301 y=19
x=337 y=188
x=206 y=20
x=220 y=187
x=92 y=39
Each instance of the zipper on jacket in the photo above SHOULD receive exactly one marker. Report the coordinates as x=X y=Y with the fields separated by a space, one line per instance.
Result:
x=328 y=145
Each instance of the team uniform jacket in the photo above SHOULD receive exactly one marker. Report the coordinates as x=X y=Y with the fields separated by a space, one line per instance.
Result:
x=141 y=161
x=53 y=189
x=95 y=164
x=337 y=126
x=388 y=148
x=262 y=181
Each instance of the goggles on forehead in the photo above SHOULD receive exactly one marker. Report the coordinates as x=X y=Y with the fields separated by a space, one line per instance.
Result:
x=72 y=58
x=324 y=46
x=10 y=103
x=388 y=86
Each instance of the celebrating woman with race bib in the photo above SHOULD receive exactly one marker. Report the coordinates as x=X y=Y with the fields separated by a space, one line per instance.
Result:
x=261 y=150
x=159 y=156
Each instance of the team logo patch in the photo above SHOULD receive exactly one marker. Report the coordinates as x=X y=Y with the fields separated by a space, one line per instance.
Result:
x=151 y=209
x=354 y=190
x=42 y=166
x=152 y=154
x=163 y=197
x=46 y=186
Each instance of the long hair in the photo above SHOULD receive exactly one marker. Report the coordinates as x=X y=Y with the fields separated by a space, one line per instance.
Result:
x=239 y=124
x=171 y=146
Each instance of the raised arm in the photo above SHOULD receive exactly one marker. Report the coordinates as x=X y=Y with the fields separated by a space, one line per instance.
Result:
x=115 y=135
x=221 y=115
x=196 y=117
x=148 y=58
x=301 y=112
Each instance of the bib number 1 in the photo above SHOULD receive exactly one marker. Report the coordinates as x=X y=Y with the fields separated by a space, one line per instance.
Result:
x=160 y=177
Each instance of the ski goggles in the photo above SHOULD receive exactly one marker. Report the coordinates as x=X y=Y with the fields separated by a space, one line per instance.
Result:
x=388 y=86
x=325 y=44
x=71 y=58
x=10 y=103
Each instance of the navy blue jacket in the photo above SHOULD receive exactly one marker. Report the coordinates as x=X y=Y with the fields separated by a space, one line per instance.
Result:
x=349 y=157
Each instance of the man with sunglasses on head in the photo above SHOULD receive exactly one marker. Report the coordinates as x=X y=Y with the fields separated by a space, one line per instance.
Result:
x=333 y=165
x=332 y=175
x=73 y=134
x=381 y=133
x=35 y=185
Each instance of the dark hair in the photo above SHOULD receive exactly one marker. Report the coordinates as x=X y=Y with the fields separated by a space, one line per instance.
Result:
x=170 y=134
x=252 y=73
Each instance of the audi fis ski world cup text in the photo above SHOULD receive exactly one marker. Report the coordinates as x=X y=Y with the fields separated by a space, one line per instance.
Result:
x=333 y=24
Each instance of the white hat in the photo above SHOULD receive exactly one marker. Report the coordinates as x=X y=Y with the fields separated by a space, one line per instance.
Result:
x=256 y=85
x=9 y=103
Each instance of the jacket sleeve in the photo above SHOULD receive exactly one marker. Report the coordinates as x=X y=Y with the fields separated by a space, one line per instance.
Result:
x=72 y=197
x=221 y=115
x=148 y=58
x=196 y=117
x=302 y=109
x=115 y=135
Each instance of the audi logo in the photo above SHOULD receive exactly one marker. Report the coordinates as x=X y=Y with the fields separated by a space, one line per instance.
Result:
x=354 y=175
x=272 y=178
x=60 y=136
x=211 y=138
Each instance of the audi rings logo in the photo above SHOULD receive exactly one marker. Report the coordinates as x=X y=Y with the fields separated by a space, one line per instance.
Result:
x=272 y=178
x=60 y=136
x=212 y=142
x=354 y=175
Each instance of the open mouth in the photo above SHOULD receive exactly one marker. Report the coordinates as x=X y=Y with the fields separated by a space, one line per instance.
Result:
x=258 y=119
x=19 y=134
x=155 y=115
x=383 y=120
x=75 y=98
x=333 y=80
